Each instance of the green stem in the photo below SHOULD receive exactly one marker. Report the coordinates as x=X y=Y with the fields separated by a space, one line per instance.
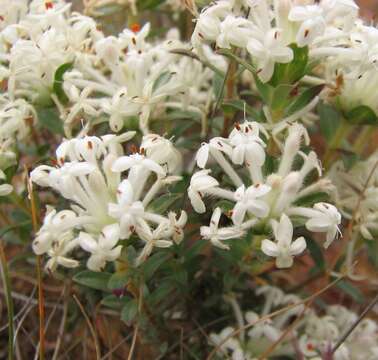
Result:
x=8 y=299
x=362 y=140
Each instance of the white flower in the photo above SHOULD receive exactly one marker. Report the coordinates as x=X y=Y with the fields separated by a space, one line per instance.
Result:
x=216 y=235
x=312 y=23
x=137 y=162
x=103 y=248
x=268 y=52
x=284 y=248
x=127 y=210
x=201 y=181
x=163 y=152
x=327 y=219
x=151 y=238
x=248 y=200
x=177 y=225
x=261 y=329
x=248 y=146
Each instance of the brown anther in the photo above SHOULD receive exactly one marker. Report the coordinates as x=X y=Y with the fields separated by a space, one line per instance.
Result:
x=132 y=228
x=276 y=35
x=142 y=151
x=135 y=28
x=220 y=144
x=2 y=18
x=237 y=126
x=306 y=32
x=49 y=5
x=294 y=92
x=90 y=145
x=133 y=149
x=133 y=40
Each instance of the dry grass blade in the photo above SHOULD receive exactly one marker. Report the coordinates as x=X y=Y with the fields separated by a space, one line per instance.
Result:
x=273 y=314
x=354 y=325
x=90 y=326
x=41 y=300
x=284 y=334
x=8 y=299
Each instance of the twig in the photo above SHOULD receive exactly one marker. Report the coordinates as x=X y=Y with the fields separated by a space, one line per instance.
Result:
x=61 y=329
x=90 y=326
x=140 y=306
x=284 y=334
x=8 y=299
x=275 y=313
x=41 y=300
x=354 y=325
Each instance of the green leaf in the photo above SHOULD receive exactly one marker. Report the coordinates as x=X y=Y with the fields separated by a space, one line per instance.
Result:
x=118 y=280
x=218 y=83
x=240 y=61
x=362 y=115
x=49 y=119
x=114 y=302
x=281 y=97
x=240 y=105
x=372 y=246
x=163 y=79
x=349 y=289
x=316 y=253
x=58 y=82
x=92 y=279
x=329 y=120
x=153 y=263
x=304 y=99
x=164 y=202
x=129 y=311
x=149 y=4
x=293 y=71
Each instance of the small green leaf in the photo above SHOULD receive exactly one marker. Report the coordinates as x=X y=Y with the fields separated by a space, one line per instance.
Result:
x=304 y=99
x=163 y=79
x=49 y=119
x=349 y=289
x=362 y=115
x=58 y=82
x=329 y=120
x=153 y=263
x=149 y=4
x=316 y=253
x=293 y=71
x=240 y=105
x=372 y=246
x=114 y=302
x=129 y=311
x=118 y=280
x=164 y=202
x=240 y=61
x=92 y=279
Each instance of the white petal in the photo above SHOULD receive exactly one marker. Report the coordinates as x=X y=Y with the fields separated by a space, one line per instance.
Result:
x=87 y=243
x=202 y=156
x=269 y=248
x=196 y=201
x=5 y=189
x=284 y=230
x=298 y=246
x=123 y=163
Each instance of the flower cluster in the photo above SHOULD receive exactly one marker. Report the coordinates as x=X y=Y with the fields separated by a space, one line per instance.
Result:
x=126 y=76
x=267 y=29
x=315 y=335
x=259 y=197
x=15 y=119
x=105 y=205
x=357 y=193
x=51 y=56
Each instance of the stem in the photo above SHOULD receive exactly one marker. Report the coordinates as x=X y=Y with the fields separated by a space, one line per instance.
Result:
x=362 y=140
x=340 y=135
x=8 y=299
x=230 y=93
